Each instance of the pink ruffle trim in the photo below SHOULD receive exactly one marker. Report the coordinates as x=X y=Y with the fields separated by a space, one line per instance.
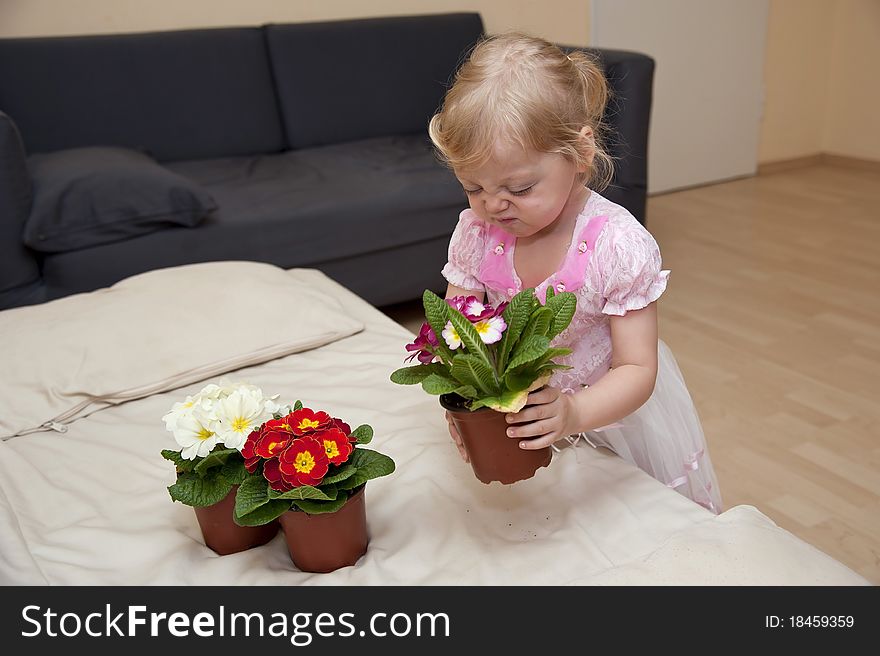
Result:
x=638 y=301
x=457 y=277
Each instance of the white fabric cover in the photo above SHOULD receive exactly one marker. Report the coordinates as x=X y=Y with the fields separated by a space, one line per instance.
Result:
x=90 y=507
x=740 y=547
x=154 y=332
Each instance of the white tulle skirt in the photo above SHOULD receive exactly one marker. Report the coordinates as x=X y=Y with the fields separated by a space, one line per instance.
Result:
x=665 y=439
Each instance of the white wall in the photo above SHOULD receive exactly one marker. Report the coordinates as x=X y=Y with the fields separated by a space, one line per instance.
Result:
x=708 y=88
x=566 y=21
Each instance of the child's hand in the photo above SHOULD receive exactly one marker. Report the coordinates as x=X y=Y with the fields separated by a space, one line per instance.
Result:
x=548 y=416
x=453 y=431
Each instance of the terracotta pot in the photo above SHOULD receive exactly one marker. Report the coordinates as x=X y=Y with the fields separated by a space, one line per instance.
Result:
x=223 y=535
x=327 y=541
x=493 y=455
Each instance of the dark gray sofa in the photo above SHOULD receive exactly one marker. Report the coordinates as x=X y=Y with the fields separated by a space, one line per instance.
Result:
x=310 y=138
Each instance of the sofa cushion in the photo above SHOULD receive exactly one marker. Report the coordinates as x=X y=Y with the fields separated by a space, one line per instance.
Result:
x=89 y=196
x=182 y=94
x=335 y=201
x=345 y=80
x=19 y=271
x=301 y=208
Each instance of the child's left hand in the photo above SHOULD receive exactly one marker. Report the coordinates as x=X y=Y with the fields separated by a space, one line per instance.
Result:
x=548 y=416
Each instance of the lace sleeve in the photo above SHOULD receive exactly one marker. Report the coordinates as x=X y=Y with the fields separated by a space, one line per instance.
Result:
x=628 y=260
x=466 y=249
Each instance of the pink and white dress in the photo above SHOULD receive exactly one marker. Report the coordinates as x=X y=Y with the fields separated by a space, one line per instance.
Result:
x=612 y=266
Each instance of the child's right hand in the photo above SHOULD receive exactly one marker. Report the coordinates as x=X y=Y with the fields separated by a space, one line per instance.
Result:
x=453 y=431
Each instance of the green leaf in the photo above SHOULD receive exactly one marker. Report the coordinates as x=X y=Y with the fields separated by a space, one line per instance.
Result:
x=322 y=507
x=195 y=490
x=551 y=367
x=518 y=381
x=370 y=465
x=306 y=492
x=554 y=353
x=508 y=401
x=340 y=474
x=216 y=458
x=471 y=370
x=467 y=392
x=416 y=374
x=529 y=378
x=180 y=463
x=264 y=514
x=516 y=316
x=538 y=324
x=470 y=338
x=529 y=349
x=251 y=494
x=540 y=366
x=298 y=405
x=465 y=376
x=437 y=314
x=563 y=307
x=234 y=471
x=363 y=434
x=439 y=384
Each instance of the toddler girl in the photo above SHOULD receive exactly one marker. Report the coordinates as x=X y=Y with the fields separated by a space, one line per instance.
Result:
x=519 y=128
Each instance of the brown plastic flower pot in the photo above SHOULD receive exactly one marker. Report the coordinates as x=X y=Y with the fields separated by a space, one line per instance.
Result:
x=223 y=535
x=494 y=456
x=327 y=541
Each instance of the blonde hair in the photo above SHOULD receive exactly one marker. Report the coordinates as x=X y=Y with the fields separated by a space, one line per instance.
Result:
x=524 y=90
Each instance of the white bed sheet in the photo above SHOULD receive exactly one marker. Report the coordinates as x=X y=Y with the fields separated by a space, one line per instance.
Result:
x=90 y=506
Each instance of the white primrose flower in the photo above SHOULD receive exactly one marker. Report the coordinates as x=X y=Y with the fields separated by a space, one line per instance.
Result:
x=195 y=438
x=271 y=406
x=450 y=336
x=178 y=410
x=211 y=391
x=238 y=414
x=227 y=388
x=222 y=412
x=490 y=329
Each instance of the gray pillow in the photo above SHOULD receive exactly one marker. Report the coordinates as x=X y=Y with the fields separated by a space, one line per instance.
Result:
x=89 y=196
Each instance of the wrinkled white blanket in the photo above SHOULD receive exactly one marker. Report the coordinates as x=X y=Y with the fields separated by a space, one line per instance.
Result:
x=90 y=506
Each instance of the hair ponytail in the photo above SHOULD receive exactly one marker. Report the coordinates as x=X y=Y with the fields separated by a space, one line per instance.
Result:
x=596 y=93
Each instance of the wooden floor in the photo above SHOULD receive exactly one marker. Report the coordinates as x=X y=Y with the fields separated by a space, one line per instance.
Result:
x=773 y=311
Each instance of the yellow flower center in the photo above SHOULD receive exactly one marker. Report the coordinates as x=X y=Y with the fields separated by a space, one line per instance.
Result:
x=204 y=434
x=304 y=462
x=240 y=424
x=482 y=327
x=308 y=423
x=331 y=448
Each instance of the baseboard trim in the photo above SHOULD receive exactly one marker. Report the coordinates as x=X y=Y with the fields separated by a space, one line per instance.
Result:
x=842 y=161
x=845 y=161
x=782 y=165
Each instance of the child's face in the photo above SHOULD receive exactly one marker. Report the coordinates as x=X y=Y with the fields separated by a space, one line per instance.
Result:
x=524 y=192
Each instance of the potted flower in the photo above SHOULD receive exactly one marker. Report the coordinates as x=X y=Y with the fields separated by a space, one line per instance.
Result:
x=211 y=428
x=483 y=365
x=308 y=470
